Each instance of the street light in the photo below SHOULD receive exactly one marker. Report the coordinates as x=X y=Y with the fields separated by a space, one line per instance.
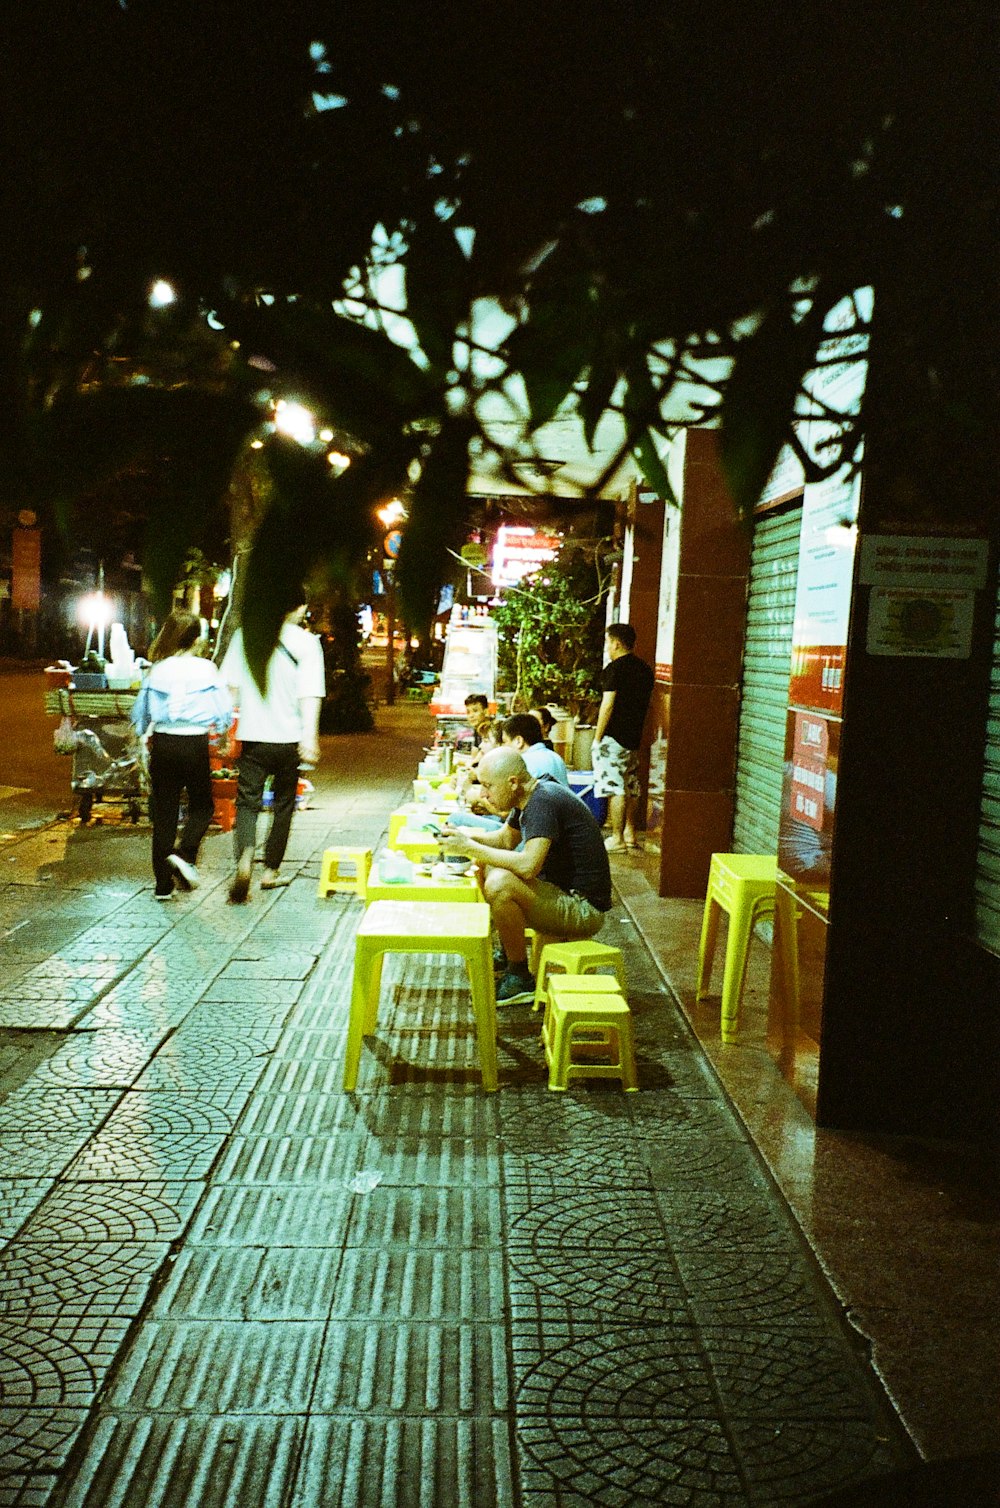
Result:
x=391 y=514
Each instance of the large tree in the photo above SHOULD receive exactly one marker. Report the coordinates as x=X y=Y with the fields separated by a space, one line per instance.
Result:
x=665 y=201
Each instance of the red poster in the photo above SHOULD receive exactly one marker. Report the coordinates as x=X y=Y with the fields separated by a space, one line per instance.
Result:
x=808 y=783
x=26 y=562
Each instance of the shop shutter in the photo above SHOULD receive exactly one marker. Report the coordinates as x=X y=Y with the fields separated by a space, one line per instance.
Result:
x=988 y=861
x=767 y=659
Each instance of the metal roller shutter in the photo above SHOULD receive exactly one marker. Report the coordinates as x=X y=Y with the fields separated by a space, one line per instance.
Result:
x=988 y=861
x=767 y=659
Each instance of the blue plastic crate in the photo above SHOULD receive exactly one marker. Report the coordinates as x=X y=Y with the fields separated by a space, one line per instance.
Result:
x=581 y=783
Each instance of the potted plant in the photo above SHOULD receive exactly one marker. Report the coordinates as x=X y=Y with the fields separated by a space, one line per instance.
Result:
x=551 y=641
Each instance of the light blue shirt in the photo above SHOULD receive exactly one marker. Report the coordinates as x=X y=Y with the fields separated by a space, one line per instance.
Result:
x=542 y=761
x=183 y=694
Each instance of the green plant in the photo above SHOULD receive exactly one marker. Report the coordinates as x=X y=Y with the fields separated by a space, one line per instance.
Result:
x=551 y=631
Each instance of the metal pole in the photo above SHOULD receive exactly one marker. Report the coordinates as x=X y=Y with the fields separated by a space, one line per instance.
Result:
x=390 y=642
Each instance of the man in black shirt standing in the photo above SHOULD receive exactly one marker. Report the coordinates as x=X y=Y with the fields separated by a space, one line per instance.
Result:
x=627 y=685
x=545 y=868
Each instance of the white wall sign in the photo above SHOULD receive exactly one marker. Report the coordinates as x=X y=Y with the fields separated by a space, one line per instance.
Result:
x=927 y=561
x=911 y=622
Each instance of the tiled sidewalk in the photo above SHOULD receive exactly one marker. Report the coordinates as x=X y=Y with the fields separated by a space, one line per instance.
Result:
x=222 y=1281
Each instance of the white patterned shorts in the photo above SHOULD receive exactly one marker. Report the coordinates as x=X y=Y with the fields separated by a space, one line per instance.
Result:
x=616 y=769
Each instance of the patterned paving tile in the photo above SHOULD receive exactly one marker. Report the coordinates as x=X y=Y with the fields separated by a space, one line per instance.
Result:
x=66 y=1278
x=35 y=1441
x=98 y=1059
x=544 y=1217
x=795 y=1461
x=405 y=1463
x=531 y=1118
x=604 y=1287
x=667 y=1115
x=684 y=1161
x=627 y=1463
x=646 y=1372
x=182 y=1462
x=122 y=1153
x=209 y=1112
x=705 y=1219
x=613 y=1162
x=150 y=1211
x=243 y=1367
x=32 y=1109
x=251 y=1283
x=204 y=1059
x=239 y=990
x=38 y=1154
x=19 y=1197
x=209 y=1015
x=17 y=1011
x=56 y=1362
x=791 y=1374
x=753 y=1286
x=402 y=1367
x=271 y=966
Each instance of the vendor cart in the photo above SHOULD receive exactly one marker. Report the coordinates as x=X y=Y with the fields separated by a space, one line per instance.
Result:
x=109 y=761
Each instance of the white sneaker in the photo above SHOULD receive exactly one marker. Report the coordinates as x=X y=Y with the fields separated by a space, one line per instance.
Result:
x=188 y=875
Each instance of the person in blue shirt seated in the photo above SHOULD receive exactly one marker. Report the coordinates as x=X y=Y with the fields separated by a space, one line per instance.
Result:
x=546 y=868
x=523 y=732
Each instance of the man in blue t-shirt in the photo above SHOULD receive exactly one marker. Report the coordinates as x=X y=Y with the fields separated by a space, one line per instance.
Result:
x=523 y=732
x=546 y=867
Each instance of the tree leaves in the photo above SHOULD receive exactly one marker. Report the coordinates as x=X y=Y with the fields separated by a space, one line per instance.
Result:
x=759 y=397
x=312 y=519
x=437 y=288
x=186 y=440
x=437 y=522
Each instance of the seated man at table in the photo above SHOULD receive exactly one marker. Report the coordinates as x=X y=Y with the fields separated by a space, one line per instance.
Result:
x=546 y=868
x=523 y=732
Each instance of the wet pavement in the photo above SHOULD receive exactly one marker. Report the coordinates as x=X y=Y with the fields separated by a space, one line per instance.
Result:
x=224 y=1281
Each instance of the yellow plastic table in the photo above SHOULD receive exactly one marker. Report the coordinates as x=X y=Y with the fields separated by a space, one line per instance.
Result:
x=422 y=927
x=457 y=889
x=417 y=844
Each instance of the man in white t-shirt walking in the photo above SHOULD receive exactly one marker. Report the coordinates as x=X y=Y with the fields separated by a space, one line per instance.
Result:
x=279 y=730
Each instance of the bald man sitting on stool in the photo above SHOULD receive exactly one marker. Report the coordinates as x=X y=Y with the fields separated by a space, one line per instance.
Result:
x=546 y=868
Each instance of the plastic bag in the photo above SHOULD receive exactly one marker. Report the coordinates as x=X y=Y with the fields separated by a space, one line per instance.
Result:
x=64 y=738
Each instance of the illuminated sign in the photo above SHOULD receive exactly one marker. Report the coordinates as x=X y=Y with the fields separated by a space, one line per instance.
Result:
x=520 y=550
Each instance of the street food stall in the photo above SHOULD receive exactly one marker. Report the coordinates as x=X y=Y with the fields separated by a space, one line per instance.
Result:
x=94 y=730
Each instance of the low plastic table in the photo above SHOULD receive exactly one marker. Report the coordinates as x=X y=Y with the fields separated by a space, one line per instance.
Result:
x=461 y=887
x=414 y=927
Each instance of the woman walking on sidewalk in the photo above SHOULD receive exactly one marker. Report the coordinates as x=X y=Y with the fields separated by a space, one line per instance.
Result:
x=182 y=699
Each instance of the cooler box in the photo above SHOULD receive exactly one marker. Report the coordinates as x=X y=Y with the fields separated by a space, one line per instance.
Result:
x=581 y=783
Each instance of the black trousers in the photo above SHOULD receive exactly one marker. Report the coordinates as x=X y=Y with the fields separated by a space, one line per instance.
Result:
x=257 y=761
x=177 y=762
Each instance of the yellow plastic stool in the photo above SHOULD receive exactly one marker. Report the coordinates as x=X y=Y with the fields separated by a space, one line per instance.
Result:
x=582 y=956
x=331 y=877
x=605 y=1023
x=742 y=885
x=422 y=927
x=537 y=943
x=577 y=984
